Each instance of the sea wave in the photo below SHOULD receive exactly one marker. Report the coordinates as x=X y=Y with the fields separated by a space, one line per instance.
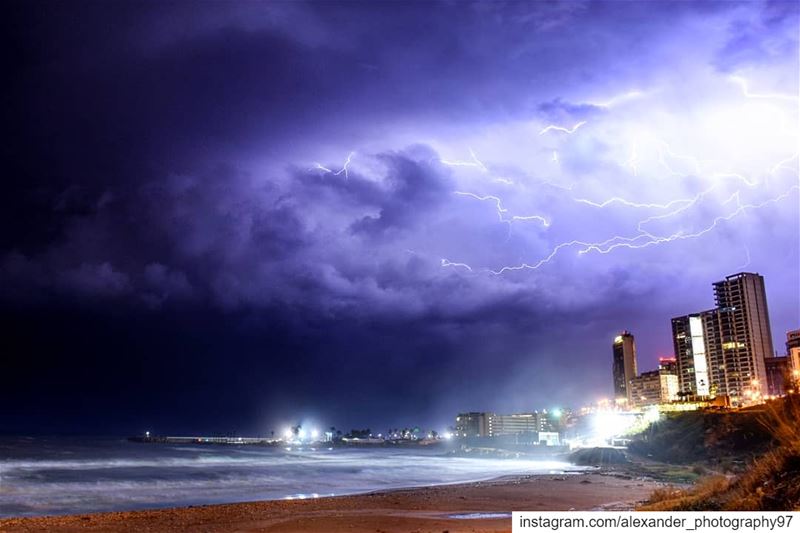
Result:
x=117 y=475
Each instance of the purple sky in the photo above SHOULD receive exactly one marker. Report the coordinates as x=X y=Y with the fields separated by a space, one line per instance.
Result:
x=233 y=216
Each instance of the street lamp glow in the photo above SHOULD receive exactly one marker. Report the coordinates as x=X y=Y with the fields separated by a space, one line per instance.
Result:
x=314 y=433
x=288 y=433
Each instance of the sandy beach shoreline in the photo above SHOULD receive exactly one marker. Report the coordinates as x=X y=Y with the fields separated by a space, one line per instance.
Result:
x=453 y=508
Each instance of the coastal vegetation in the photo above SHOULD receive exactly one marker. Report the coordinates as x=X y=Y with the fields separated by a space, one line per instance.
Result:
x=753 y=456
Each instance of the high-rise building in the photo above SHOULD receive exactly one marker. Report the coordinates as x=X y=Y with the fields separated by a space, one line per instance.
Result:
x=793 y=348
x=472 y=425
x=668 y=365
x=516 y=424
x=738 y=367
x=654 y=387
x=723 y=351
x=624 y=365
x=533 y=425
x=777 y=372
x=691 y=353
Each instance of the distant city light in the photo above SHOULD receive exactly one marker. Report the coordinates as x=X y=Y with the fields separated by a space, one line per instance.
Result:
x=609 y=424
x=314 y=433
x=651 y=414
x=557 y=412
x=288 y=433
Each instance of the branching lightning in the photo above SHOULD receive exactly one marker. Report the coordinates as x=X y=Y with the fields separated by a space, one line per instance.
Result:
x=628 y=203
x=644 y=240
x=472 y=162
x=501 y=211
x=553 y=127
x=339 y=172
x=743 y=83
x=717 y=172
x=626 y=242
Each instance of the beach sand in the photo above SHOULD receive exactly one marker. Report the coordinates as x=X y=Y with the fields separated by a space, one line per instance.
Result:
x=426 y=509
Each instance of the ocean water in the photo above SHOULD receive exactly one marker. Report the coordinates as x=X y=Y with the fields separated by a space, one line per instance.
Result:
x=42 y=476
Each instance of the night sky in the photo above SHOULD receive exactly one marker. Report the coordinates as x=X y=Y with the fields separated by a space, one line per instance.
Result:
x=224 y=216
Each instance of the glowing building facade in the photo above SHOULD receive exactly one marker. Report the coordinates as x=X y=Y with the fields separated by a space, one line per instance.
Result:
x=624 y=365
x=793 y=348
x=517 y=424
x=535 y=426
x=691 y=352
x=653 y=388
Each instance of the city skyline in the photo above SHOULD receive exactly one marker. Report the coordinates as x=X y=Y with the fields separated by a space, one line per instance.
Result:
x=225 y=217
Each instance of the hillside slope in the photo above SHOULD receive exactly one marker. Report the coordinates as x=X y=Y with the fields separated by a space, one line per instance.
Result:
x=771 y=480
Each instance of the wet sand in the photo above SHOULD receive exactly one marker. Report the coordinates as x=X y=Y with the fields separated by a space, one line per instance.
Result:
x=419 y=510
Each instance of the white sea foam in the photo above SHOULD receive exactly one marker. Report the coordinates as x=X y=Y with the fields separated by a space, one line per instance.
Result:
x=117 y=476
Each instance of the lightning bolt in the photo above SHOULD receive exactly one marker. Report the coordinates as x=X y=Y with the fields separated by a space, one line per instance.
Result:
x=646 y=239
x=446 y=263
x=553 y=127
x=615 y=242
x=543 y=220
x=747 y=261
x=732 y=207
x=664 y=148
x=343 y=170
x=623 y=201
x=684 y=203
x=627 y=242
x=743 y=83
x=472 y=162
x=502 y=210
x=541 y=262
x=630 y=95
x=488 y=198
x=782 y=164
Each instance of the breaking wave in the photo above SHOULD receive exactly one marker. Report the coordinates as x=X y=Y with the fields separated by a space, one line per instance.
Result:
x=64 y=476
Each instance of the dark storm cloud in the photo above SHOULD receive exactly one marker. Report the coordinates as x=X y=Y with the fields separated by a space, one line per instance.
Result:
x=766 y=38
x=179 y=206
x=412 y=187
x=558 y=109
x=230 y=239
